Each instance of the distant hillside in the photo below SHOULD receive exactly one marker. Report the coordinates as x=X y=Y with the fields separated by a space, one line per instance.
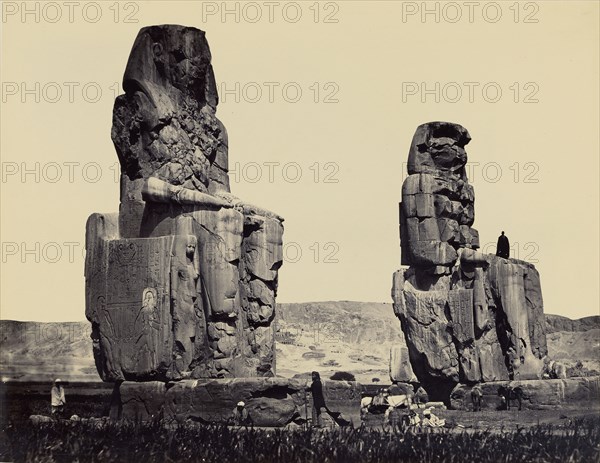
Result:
x=559 y=323
x=42 y=351
x=336 y=336
x=572 y=346
x=324 y=336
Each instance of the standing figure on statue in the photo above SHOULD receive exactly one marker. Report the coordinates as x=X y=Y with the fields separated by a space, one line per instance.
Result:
x=503 y=246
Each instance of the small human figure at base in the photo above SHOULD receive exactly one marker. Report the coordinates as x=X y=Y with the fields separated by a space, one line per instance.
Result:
x=316 y=389
x=57 y=399
x=429 y=419
x=392 y=419
x=503 y=246
x=421 y=397
x=413 y=419
x=240 y=416
x=476 y=397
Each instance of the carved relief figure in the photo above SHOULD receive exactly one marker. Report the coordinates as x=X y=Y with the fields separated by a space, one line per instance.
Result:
x=145 y=322
x=186 y=305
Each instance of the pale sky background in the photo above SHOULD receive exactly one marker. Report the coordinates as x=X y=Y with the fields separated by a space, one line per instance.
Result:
x=372 y=56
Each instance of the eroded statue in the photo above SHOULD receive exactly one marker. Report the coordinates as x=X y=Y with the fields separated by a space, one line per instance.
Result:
x=467 y=317
x=181 y=283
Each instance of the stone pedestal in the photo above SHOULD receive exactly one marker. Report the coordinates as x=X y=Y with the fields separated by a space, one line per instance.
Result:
x=537 y=394
x=271 y=402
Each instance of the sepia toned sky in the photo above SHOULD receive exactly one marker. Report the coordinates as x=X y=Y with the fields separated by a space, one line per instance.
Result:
x=320 y=100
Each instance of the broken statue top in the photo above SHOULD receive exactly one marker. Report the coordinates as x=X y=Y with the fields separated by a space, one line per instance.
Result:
x=165 y=124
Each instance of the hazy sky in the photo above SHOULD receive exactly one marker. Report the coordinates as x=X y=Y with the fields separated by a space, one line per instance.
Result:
x=321 y=101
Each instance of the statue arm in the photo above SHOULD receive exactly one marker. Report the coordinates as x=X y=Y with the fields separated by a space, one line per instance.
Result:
x=247 y=208
x=159 y=191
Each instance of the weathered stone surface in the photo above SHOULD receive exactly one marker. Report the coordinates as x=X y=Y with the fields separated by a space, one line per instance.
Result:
x=460 y=302
x=482 y=318
x=133 y=313
x=432 y=353
x=431 y=253
x=438 y=147
x=467 y=317
x=507 y=282
x=468 y=360
x=182 y=283
x=537 y=394
x=535 y=311
x=449 y=230
x=398 y=293
x=269 y=401
x=491 y=357
x=400 y=367
x=424 y=204
x=437 y=201
x=139 y=400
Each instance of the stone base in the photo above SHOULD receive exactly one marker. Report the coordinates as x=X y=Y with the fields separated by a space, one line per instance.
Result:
x=270 y=401
x=538 y=394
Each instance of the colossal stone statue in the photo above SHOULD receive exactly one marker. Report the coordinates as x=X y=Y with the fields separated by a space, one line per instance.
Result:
x=467 y=317
x=181 y=283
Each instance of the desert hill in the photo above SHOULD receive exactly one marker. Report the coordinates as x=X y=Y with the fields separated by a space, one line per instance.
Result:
x=326 y=336
x=559 y=323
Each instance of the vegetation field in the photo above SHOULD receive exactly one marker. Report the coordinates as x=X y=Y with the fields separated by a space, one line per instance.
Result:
x=571 y=434
x=104 y=441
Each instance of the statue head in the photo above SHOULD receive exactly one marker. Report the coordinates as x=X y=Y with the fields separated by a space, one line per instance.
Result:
x=149 y=298
x=190 y=248
x=438 y=148
x=171 y=56
x=165 y=126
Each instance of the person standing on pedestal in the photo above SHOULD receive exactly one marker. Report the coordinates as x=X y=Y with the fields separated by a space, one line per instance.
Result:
x=503 y=246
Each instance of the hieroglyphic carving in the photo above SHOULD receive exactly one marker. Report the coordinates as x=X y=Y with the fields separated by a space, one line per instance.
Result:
x=460 y=302
x=136 y=318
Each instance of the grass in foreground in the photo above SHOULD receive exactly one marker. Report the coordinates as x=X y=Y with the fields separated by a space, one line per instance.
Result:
x=154 y=442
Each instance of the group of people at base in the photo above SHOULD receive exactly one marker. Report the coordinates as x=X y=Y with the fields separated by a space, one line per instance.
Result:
x=404 y=407
x=396 y=396
x=398 y=418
